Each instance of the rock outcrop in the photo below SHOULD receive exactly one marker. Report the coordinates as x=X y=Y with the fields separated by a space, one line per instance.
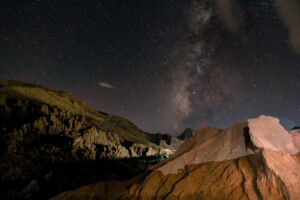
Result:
x=41 y=129
x=254 y=159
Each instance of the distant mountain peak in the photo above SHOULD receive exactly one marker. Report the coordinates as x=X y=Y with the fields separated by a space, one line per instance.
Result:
x=187 y=133
x=296 y=128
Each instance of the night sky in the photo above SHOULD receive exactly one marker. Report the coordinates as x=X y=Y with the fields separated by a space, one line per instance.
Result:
x=163 y=64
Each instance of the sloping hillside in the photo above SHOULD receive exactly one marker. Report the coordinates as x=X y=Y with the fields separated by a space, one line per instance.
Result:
x=49 y=138
x=20 y=91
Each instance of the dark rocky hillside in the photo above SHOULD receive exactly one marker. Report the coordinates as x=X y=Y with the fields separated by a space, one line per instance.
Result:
x=51 y=141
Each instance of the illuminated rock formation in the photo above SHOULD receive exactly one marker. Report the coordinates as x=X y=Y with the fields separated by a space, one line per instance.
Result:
x=254 y=159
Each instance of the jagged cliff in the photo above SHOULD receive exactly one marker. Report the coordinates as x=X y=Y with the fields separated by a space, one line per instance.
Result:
x=43 y=131
x=254 y=159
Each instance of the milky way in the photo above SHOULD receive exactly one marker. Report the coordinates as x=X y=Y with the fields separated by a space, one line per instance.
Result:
x=222 y=76
x=165 y=65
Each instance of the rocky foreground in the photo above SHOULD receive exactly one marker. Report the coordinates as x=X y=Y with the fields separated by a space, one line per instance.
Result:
x=51 y=142
x=254 y=159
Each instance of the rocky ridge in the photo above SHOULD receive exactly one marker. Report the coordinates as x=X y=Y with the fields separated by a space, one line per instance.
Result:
x=254 y=159
x=87 y=133
x=42 y=129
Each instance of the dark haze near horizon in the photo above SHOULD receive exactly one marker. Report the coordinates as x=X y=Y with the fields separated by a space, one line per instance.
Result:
x=165 y=65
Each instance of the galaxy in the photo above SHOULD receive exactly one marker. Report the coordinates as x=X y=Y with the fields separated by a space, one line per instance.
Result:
x=164 y=65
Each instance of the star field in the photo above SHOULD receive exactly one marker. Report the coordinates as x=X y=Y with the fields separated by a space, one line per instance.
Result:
x=165 y=65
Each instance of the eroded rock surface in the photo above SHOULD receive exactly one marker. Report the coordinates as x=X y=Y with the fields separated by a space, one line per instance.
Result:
x=254 y=159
